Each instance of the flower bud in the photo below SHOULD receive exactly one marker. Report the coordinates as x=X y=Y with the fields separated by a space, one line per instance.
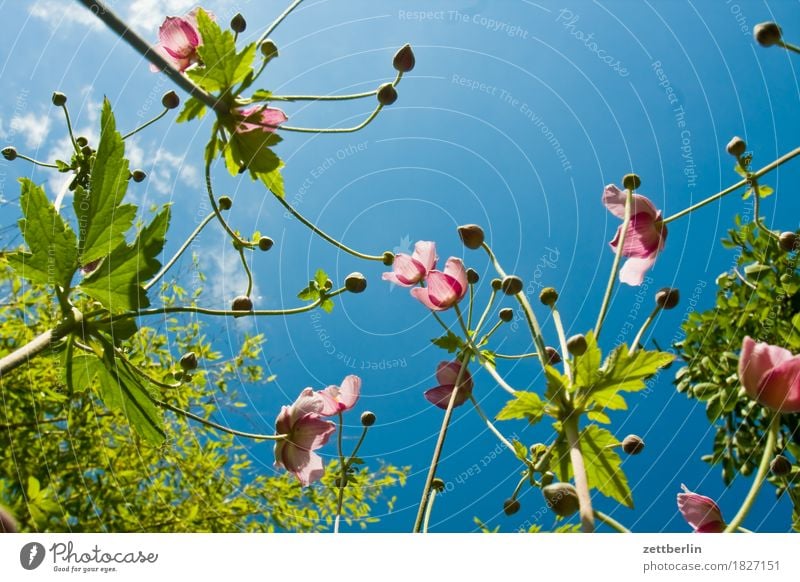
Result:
x=632 y=444
x=225 y=202
x=510 y=506
x=170 y=100
x=437 y=484
x=238 y=23
x=553 y=357
x=506 y=314
x=667 y=298
x=786 y=278
x=548 y=296
x=562 y=498
x=59 y=99
x=788 y=241
x=511 y=285
x=265 y=243
x=269 y=49
x=472 y=276
x=355 y=282
x=547 y=478
x=10 y=153
x=736 y=147
x=387 y=94
x=780 y=466
x=367 y=418
x=189 y=361
x=576 y=345
x=404 y=59
x=242 y=303
x=138 y=175
x=81 y=141
x=631 y=181
x=388 y=258
x=767 y=33
x=7 y=522
x=471 y=235
x=496 y=284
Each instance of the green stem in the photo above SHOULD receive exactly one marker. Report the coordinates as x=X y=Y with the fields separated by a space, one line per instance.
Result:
x=788 y=46
x=486 y=311
x=579 y=471
x=437 y=451
x=562 y=338
x=758 y=481
x=323 y=97
x=141 y=127
x=610 y=522
x=490 y=333
x=275 y=23
x=490 y=425
x=296 y=129
x=497 y=377
x=469 y=308
x=342 y=475
x=69 y=129
x=247 y=272
x=36 y=162
x=324 y=235
x=515 y=356
x=612 y=279
x=638 y=339
x=768 y=168
x=212 y=424
x=181 y=250
x=428 y=511
x=218 y=213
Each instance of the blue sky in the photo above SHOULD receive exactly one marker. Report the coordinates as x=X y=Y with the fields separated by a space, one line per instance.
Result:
x=516 y=116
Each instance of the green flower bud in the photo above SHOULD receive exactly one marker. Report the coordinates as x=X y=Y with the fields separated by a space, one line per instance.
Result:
x=242 y=303
x=506 y=314
x=10 y=153
x=387 y=94
x=472 y=276
x=736 y=147
x=404 y=59
x=788 y=241
x=238 y=23
x=59 y=99
x=511 y=285
x=510 y=506
x=577 y=345
x=553 y=357
x=767 y=33
x=562 y=498
x=189 y=361
x=269 y=49
x=367 y=418
x=548 y=296
x=355 y=282
x=632 y=444
x=265 y=243
x=438 y=484
x=780 y=466
x=631 y=181
x=496 y=284
x=81 y=141
x=138 y=175
x=471 y=235
x=667 y=298
x=170 y=100
x=547 y=478
x=225 y=202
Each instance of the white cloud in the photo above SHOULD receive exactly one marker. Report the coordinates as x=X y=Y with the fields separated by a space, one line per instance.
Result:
x=31 y=127
x=57 y=13
x=225 y=275
x=147 y=15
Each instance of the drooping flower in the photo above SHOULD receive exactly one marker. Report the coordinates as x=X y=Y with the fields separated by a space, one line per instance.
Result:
x=259 y=118
x=178 y=39
x=700 y=512
x=645 y=237
x=408 y=270
x=446 y=375
x=341 y=398
x=305 y=432
x=771 y=375
x=443 y=289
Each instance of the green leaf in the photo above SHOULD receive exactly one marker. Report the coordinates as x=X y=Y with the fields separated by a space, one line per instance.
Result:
x=488 y=356
x=587 y=368
x=520 y=450
x=251 y=149
x=557 y=384
x=764 y=191
x=310 y=293
x=261 y=95
x=222 y=66
x=273 y=180
x=450 y=342
x=53 y=256
x=623 y=371
x=525 y=405
x=192 y=109
x=321 y=278
x=118 y=282
x=747 y=193
x=739 y=170
x=102 y=217
x=327 y=305
x=598 y=416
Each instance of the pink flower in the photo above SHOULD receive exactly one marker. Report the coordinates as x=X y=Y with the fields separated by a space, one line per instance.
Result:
x=645 y=237
x=338 y=399
x=407 y=270
x=770 y=375
x=305 y=432
x=443 y=289
x=261 y=118
x=700 y=512
x=178 y=39
x=446 y=375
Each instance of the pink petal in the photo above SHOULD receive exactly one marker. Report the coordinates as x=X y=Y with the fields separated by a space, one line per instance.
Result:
x=440 y=396
x=350 y=391
x=443 y=290
x=455 y=268
x=311 y=432
x=632 y=272
x=780 y=387
x=178 y=37
x=614 y=200
x=447 y=373
x=330 y=405
x=283 y=424
x=311 y=471
x=755 y=362
x=643 y=239
x=425 y=253
x=305 y=465
x=260 y=118
x=699 y=511
x=406 y=271
x=307 y=402
x=421 y=293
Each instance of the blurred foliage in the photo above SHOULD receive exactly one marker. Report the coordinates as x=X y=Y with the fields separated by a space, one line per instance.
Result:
x=68 y=463
x=759 y=297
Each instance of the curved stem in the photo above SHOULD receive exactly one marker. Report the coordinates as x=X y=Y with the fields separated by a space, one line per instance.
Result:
x=788 y=46
x=497 y=377
x=490 y=425
x=428 y=511
x=323 y=97
x=758 y=481
x=69 y=129
x=562 y=338
x=275 y=23
x=247 y=272
x=39 y=344
x=768 y=168
x=146 y=124
x=323 y=234
x=579 y=470
x=515 y=356
x=638 y=339
x=610 y=522
x=437 y=451
x=217 y=426
x=296 y=129
x=218 y=213
x=612 y=279
x=178 y=254
x=486 y=311
x=490 y=333
x=36 y=162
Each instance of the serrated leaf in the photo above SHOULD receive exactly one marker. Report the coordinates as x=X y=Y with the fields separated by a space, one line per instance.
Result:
x=587 y=368
x=739 y=170
x=222 y=67
x=450 y=342
x=520 y=450
x=192 y=109
x=598 y=416
x=524 y=405
x=53 y=256
x=102 y=217
x=627 y=372
x=764 y=191
x=118 y=282
x=273 y=180
x=310 y=293
x=557 y=384
x=488 y=356
x=327 y=305
x=321 y=278
x=251 y=149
